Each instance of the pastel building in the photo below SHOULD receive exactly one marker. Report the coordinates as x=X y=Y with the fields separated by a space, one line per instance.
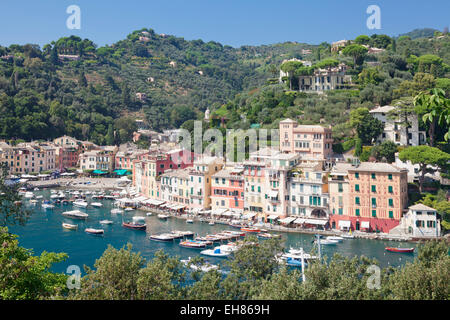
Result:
x=148 y=168
x=276 y=189
x=175 y=187
x=309 y=141
x=420 y=221
x=200 y=176
x=395 y=130
x=308 y=193
x=367 y=197
x=97 y=160
x=227 y=189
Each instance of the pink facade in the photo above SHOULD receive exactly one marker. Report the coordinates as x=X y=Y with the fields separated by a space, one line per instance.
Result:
x=311 y=141
x=227 y=191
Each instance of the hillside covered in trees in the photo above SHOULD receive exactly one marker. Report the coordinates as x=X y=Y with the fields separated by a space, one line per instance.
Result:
x=72 y=87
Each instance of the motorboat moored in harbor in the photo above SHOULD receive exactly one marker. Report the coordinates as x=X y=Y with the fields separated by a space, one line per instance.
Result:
x=96 y=204
x=94 y=231
x=75 y=214
x=400 y=250
x=216 y=252
x=193 y=244
x=106 y=222
x=70 y=226
x=134 y=225
x=163 y=237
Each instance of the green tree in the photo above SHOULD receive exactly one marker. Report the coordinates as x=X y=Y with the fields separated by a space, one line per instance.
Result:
x=367 y=127
x=114 y=278
x=27 y=277
x=435 y=109
x=357 y=52
x=386 y=150
x=426 y=278
x=426 y=157
x=110 y=136
x=289 y=67
x=11 y=210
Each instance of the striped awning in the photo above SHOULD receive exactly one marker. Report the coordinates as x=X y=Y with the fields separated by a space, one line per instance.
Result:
x=287 y=220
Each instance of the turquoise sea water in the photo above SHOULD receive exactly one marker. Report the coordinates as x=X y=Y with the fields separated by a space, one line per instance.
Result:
x=44 y=231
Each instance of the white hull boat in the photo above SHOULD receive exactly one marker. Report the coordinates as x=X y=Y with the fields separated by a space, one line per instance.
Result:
x=96 y=204
x=106 y=222
x=70 y=226
x=338 y=239
x=81 y=204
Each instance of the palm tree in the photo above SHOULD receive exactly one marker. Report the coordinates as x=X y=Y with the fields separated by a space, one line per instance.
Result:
x=435 y=109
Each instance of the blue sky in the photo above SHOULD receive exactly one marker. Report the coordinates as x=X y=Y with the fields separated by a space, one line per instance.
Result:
x=232 y=22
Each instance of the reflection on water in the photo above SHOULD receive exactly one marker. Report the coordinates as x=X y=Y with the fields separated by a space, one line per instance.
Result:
x=44 y=231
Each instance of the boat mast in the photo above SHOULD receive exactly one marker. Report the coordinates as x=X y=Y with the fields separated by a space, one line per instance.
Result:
x=303 y=264
x=318 y=246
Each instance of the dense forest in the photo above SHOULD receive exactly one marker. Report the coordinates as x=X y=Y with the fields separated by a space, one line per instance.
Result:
x=72 y=87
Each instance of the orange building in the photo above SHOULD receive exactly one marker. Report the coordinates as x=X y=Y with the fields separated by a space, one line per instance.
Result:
x=367 y=197
x=227 y=189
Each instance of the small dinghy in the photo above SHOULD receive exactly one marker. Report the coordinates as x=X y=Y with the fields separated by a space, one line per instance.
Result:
x=106 y=222
x=163 y=216
x=70 y=226
x=400 y=250
x=94 y=231
x=134 y=225
x=189 y=221
x=116 y=211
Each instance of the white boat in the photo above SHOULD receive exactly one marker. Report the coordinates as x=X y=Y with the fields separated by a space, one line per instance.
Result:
x=76 y=214
x=29 y=195
x=149 y=214
x=36 y=189
x=164 y=237
x=80 y=203
x=54 y=196
x=106 y=222
x=47 y=206
x=204 y=267
x=216 y=252
x=96 y=204
x=39 y=197
x=338 y=239
x=128 y=209
x=348 y=236
x=327 y=242
x=163 y=216
x=94 y=231
x=116 y=211
x=189 y=221
x=211 y=223
x=33 y=201
x=70 y=226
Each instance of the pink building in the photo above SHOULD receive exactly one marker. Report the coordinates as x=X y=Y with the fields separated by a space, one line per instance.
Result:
x=227 y=189
x=310 y=141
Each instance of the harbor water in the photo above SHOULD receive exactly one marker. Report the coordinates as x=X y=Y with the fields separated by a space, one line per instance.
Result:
x=44 y=232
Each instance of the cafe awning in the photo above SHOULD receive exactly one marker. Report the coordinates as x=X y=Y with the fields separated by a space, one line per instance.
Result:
x=287 y=220
x=365 y=224
x=317 y=222
x=272 y=217
x=299 y=221
x=99 y=172
x=344 y=224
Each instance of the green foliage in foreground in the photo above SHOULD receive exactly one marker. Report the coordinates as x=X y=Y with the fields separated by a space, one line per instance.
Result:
x=253 y=274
